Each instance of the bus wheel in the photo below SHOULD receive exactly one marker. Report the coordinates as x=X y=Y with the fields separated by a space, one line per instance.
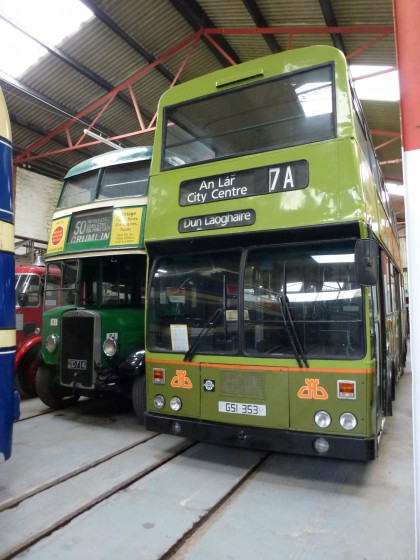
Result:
x=50 y=393
x=138 y=397
x=26 y=374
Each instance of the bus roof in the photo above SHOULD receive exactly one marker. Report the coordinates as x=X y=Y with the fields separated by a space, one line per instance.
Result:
x=264 y=67
x=115 y=157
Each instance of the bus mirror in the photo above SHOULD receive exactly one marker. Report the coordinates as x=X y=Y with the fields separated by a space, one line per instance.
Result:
x=367 y=259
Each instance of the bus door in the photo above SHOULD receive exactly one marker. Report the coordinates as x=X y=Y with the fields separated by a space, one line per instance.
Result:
x=385 y=335
x=377 y=338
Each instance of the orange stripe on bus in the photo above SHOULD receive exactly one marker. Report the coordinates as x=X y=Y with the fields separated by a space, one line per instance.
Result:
x=265 y=368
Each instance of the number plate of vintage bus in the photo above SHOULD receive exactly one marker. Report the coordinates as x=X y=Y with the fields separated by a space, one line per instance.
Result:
x=242 y=408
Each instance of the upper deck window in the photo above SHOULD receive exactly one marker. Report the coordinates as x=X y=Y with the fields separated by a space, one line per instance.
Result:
x=130 y=179
x=80 y=189
x=116 y=181
x=296 y=108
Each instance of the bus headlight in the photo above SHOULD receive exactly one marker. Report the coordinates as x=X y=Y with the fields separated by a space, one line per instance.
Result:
x=175 y=403
x=348 y=421
x=110 y=347
x=51 y=343
x=322 y=419
x=159 y=401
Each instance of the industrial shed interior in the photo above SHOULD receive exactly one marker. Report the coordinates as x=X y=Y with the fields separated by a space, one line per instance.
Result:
x=107 y=79
x=132 y=493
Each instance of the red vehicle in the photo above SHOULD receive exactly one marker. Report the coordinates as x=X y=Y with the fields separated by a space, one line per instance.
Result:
x=29 y=284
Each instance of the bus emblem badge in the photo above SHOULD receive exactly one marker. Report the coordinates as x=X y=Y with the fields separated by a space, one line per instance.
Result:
x=209 y=385
x=312 y=390
x=181 y=380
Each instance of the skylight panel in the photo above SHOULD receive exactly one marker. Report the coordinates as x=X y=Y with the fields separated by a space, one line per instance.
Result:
x=51 y=21
x=383 y=87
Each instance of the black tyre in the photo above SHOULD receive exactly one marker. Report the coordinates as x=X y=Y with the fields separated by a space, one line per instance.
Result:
x=26 y=374
x=50 y=393
x=138 y=397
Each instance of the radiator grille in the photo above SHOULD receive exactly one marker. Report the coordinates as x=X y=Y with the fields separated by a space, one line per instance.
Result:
x=242 y=384
x=77 y=335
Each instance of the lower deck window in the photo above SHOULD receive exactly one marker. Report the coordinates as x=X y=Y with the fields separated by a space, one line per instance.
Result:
x=195 y=297
x=96 y=281
x=280 y=300
x=305 y=297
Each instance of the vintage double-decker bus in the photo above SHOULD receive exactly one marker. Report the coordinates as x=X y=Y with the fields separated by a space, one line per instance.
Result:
x=94 y=293
x=275 y=316
x=9 y=398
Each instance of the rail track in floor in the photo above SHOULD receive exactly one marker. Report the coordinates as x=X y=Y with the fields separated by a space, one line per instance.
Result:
x=90 y=482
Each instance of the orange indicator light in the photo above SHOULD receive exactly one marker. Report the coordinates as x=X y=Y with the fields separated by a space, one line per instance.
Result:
x=158 y=375
x=346 y=389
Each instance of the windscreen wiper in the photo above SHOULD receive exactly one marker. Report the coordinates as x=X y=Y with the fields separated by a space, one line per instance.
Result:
x=290 y=325
x=291 y=331
x=212 y=322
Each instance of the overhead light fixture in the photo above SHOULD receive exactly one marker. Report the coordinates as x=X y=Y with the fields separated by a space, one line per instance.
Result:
x=330 y=259
x=101 y=139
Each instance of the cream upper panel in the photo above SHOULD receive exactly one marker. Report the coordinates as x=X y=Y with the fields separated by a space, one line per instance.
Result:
x=5 y=128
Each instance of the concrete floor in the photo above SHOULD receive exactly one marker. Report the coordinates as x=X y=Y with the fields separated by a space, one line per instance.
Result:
x=90 y=483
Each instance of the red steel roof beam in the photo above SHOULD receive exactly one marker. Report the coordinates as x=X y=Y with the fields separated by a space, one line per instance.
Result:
x=27 y=154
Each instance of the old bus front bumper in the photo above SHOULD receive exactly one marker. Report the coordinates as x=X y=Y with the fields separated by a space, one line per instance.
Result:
x=284 y=441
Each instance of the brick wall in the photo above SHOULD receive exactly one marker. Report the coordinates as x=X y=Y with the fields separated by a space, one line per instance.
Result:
x=36 y=198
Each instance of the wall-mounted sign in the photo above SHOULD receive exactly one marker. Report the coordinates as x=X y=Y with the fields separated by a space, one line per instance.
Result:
x=288 y=176
x=236 y=218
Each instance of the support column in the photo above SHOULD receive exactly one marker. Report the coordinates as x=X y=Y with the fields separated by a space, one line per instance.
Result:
x=407 y=19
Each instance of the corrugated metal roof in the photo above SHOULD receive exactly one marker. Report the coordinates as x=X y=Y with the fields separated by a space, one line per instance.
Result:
x=125 y=37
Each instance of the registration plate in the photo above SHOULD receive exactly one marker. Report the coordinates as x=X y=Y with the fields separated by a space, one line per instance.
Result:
x=242 y=408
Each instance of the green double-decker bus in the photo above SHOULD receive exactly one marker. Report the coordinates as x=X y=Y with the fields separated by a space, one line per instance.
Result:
x=275 y=311
x=94 y=293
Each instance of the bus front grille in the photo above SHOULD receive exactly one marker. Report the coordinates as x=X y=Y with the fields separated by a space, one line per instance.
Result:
x=77 y=350
x=242 y=384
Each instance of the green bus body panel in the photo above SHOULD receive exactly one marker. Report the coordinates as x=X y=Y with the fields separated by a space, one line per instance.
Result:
x=340 y=190
x=329 y=198
x=127 y=322
x=316 y=204
x=276 y=385
x=268 y=67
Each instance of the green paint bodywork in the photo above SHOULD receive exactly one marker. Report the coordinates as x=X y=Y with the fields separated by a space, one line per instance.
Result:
x=127 y=322
x=124 y=236
x=341 y=190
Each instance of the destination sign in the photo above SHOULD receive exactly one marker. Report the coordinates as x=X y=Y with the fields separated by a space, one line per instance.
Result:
x=217 y=221
x=293 y=175
x=90 y=227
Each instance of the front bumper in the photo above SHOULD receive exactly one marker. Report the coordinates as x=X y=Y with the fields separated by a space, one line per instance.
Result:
x=268 y=439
